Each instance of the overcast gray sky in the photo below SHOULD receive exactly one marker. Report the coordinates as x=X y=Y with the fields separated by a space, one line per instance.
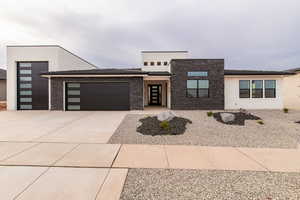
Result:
x=249 y=34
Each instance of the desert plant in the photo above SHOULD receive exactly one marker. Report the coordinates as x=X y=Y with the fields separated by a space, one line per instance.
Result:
x=209 y=114
x=165 y=125
x=261 y=122
x=285 y=110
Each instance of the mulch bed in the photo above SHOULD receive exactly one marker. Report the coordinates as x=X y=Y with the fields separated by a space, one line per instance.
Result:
x=240 y=118
x=151 y=126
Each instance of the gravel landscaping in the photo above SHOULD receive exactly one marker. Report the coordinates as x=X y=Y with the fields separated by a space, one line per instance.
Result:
x=279 y=131
x=180 y=184
x=239 y=119
x=152 y=126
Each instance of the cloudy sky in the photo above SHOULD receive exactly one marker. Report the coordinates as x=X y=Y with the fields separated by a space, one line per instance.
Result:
x=249 y=34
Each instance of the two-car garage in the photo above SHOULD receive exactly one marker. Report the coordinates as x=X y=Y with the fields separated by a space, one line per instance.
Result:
x=97 y=96
x=96 y=90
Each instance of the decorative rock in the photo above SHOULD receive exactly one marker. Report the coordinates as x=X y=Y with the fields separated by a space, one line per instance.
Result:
x=244 y=111
x=166 y=116
x=227 y=117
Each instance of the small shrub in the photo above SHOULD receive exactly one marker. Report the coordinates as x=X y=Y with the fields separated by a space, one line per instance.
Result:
x=209 y=114
x=165 y=125
x=261 y=122
x=285 y=110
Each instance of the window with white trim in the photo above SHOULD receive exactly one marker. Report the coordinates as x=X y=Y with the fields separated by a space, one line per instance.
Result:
x=257 y=89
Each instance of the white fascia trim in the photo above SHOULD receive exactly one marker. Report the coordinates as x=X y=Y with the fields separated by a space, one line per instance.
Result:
x=74 y=76
x=158 y=78
x=254 y=76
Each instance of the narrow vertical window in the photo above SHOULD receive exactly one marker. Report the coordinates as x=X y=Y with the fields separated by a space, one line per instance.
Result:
x=244 y=88
x=192 y=88
x=203 y=88
x=257 y=89
x=270 y=89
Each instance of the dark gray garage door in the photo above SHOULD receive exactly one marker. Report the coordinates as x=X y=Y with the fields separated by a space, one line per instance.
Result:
x=32 y=89
x=97 y=96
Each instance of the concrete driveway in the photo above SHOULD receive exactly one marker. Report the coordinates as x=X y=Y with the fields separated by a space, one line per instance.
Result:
x=43 y=155
x=64 y=127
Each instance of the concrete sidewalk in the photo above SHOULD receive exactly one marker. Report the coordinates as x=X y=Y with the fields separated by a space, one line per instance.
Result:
x=148 y=156
x=102 y=168
x=211 y=158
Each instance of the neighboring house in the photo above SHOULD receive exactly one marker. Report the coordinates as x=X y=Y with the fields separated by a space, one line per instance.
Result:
x=2 y=85
x=291 y=92
x=50 y=77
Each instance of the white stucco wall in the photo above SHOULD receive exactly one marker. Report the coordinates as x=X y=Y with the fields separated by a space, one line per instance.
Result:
x=291 y=91
x=57 y=57
x=162 y=57
x=232 y=100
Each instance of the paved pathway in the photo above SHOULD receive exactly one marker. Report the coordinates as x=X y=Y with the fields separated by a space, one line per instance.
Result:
x=148 y=156
x=30 y=171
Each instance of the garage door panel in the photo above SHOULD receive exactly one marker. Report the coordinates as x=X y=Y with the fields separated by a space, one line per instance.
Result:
x=100 y=96
x=32 y=89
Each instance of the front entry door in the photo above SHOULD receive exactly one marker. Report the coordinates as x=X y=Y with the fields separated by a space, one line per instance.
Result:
x=155 y=94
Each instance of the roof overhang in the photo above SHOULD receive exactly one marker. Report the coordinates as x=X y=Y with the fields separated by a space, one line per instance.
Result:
x=92 y=75
x=256 y=76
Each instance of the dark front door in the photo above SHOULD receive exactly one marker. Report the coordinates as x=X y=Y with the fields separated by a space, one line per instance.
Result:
x=155 y=94
x=32 y=89
x=97 y=96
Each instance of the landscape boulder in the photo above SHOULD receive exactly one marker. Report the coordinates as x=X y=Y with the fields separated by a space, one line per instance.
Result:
x=227 y=117
x=166 y=116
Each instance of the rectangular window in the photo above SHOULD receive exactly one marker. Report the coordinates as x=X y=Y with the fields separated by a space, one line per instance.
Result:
x=73 y=107
x=270 y=89
x=73 y=85
x=26 y=100
x=25 y=71
x=145 y=63
x=203 y=88
x=198 y=73
x=26 y=92
x=257 y=89
x=165 y=63
x=197 y=88
x=244 y=88
x=25 y=64
x=74 y=92
x=26 y=107
x=25 y=85
x=25 y=78
x=158 y=63
x=192 y=86
x=74 y=100
x=152 y=63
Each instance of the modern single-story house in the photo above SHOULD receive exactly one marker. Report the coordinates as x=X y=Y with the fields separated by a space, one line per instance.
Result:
x=2 y=85
x=50 y=77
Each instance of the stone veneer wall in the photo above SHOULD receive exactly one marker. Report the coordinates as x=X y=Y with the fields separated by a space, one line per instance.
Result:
x=179 y=69
x=135 y=88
